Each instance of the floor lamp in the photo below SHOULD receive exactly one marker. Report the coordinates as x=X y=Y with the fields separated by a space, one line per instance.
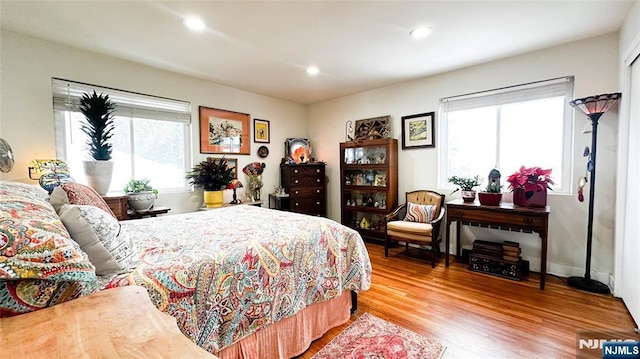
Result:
x=593 y=107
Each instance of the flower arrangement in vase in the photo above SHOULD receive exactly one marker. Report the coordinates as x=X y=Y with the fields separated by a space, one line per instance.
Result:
x=530 y=186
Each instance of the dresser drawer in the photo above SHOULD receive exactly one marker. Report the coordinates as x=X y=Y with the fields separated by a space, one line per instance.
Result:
x=308 y=206
x=306 y=192
x=305 y=181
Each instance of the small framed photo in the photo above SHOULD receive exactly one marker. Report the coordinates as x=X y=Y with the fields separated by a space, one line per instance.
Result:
x=231 y=163
x=260 y=131
x=380 y=180
x=223 y=132
x=418 y=131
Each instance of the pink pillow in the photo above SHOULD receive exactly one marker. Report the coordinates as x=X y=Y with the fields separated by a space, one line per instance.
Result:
x=79 y=194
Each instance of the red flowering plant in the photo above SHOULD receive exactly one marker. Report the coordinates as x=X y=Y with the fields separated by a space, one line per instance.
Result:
x=532 y=179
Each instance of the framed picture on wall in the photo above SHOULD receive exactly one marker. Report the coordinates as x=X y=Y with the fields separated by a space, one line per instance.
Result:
x=260 y=131
x=223 y=131
x=231 y=163
x=418 y=131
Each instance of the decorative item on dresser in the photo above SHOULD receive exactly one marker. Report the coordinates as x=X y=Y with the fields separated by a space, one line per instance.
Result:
x=307 y=187
x=369 y=184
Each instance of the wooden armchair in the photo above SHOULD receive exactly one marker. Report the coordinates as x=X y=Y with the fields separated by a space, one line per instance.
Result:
x=422 y=226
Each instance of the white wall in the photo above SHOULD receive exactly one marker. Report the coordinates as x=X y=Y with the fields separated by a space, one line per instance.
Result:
x=27 y=65
x=593 y=62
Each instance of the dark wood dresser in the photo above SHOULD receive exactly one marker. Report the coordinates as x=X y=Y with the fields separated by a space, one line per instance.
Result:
x=306 y=186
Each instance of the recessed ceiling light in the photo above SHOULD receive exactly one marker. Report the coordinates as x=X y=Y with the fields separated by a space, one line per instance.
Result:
x=194 y=24
x=312 y=70
x=420 y=32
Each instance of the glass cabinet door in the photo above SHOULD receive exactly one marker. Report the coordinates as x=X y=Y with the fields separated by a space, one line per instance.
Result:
x=373 y=155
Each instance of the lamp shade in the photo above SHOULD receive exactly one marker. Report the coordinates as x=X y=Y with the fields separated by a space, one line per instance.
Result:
x=596 y=104
x=235 y=183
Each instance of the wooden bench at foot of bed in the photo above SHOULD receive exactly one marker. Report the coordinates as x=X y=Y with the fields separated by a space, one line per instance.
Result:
x=115 y=323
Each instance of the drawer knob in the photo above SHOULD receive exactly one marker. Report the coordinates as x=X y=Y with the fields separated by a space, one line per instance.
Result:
x=295 y=181
x=318 y=180
x=295 y=171
x=317 y=191
x=318 y=203
x=297 y=204
x=318 y=170
x=297 y=192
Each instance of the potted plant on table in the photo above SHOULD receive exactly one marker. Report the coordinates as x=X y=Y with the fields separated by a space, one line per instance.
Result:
x=466 y=184
x=530 y=186
x=141 y=196
x=98 y=111
x=491 y=195
x=213 y=177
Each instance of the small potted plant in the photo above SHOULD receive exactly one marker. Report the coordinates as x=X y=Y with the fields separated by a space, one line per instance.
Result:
x=213 y=177
x=466 y=184
x=491 y=195
x=141 y=196
x=98 y=111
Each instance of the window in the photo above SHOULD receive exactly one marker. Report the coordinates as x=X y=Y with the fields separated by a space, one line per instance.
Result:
x=507 y=128
x=151 y=138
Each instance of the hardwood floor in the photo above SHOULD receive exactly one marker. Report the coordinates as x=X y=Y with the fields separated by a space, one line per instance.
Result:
x=479 y=316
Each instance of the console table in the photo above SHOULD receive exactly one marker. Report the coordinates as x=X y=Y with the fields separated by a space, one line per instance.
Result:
x=506 y=216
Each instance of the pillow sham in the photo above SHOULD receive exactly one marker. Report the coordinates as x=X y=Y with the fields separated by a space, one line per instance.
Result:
x=109 y=247
x=76 y=193
x=423 y=213
x=39 y=263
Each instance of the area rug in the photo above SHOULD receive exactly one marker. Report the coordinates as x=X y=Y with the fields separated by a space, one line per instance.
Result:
x=372 y=337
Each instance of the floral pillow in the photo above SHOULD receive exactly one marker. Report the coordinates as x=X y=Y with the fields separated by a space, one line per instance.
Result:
x=76 y=193
x=423 y=213
x=37 y=256
x=108 y=246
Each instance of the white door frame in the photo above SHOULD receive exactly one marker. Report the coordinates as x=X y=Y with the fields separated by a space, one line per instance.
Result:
x=623 y=166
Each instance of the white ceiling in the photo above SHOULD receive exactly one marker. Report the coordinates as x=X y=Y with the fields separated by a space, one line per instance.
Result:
x=265 y=46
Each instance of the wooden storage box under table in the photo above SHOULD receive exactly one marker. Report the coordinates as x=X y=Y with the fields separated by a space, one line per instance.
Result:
x=306 y=186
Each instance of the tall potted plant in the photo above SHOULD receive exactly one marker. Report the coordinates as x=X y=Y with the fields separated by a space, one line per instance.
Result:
x=98 y=111
x=213 y=177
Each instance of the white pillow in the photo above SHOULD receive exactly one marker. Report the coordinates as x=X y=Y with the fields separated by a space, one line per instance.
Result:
x=108 y=246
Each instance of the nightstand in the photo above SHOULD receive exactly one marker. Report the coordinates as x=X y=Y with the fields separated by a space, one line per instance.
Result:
x=118 y=205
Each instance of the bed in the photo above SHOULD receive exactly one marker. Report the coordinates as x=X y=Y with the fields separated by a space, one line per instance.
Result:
x=245 y=281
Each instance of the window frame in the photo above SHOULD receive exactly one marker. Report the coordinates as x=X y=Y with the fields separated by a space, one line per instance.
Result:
x=484 y=98
x=140 y=107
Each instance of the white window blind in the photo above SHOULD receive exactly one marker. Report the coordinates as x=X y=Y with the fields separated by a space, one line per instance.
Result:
x=67 y=94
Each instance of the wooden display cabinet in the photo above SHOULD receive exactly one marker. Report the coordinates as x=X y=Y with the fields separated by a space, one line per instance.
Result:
x=369 y=184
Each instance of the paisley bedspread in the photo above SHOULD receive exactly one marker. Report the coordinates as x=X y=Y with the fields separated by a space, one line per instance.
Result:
x=224 y=274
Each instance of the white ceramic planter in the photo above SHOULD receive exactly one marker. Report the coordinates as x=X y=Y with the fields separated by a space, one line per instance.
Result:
x=141 y=201
x=98 y=174
x=468 y=196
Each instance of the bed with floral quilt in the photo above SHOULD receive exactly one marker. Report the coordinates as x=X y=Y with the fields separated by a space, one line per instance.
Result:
x=227 y=273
